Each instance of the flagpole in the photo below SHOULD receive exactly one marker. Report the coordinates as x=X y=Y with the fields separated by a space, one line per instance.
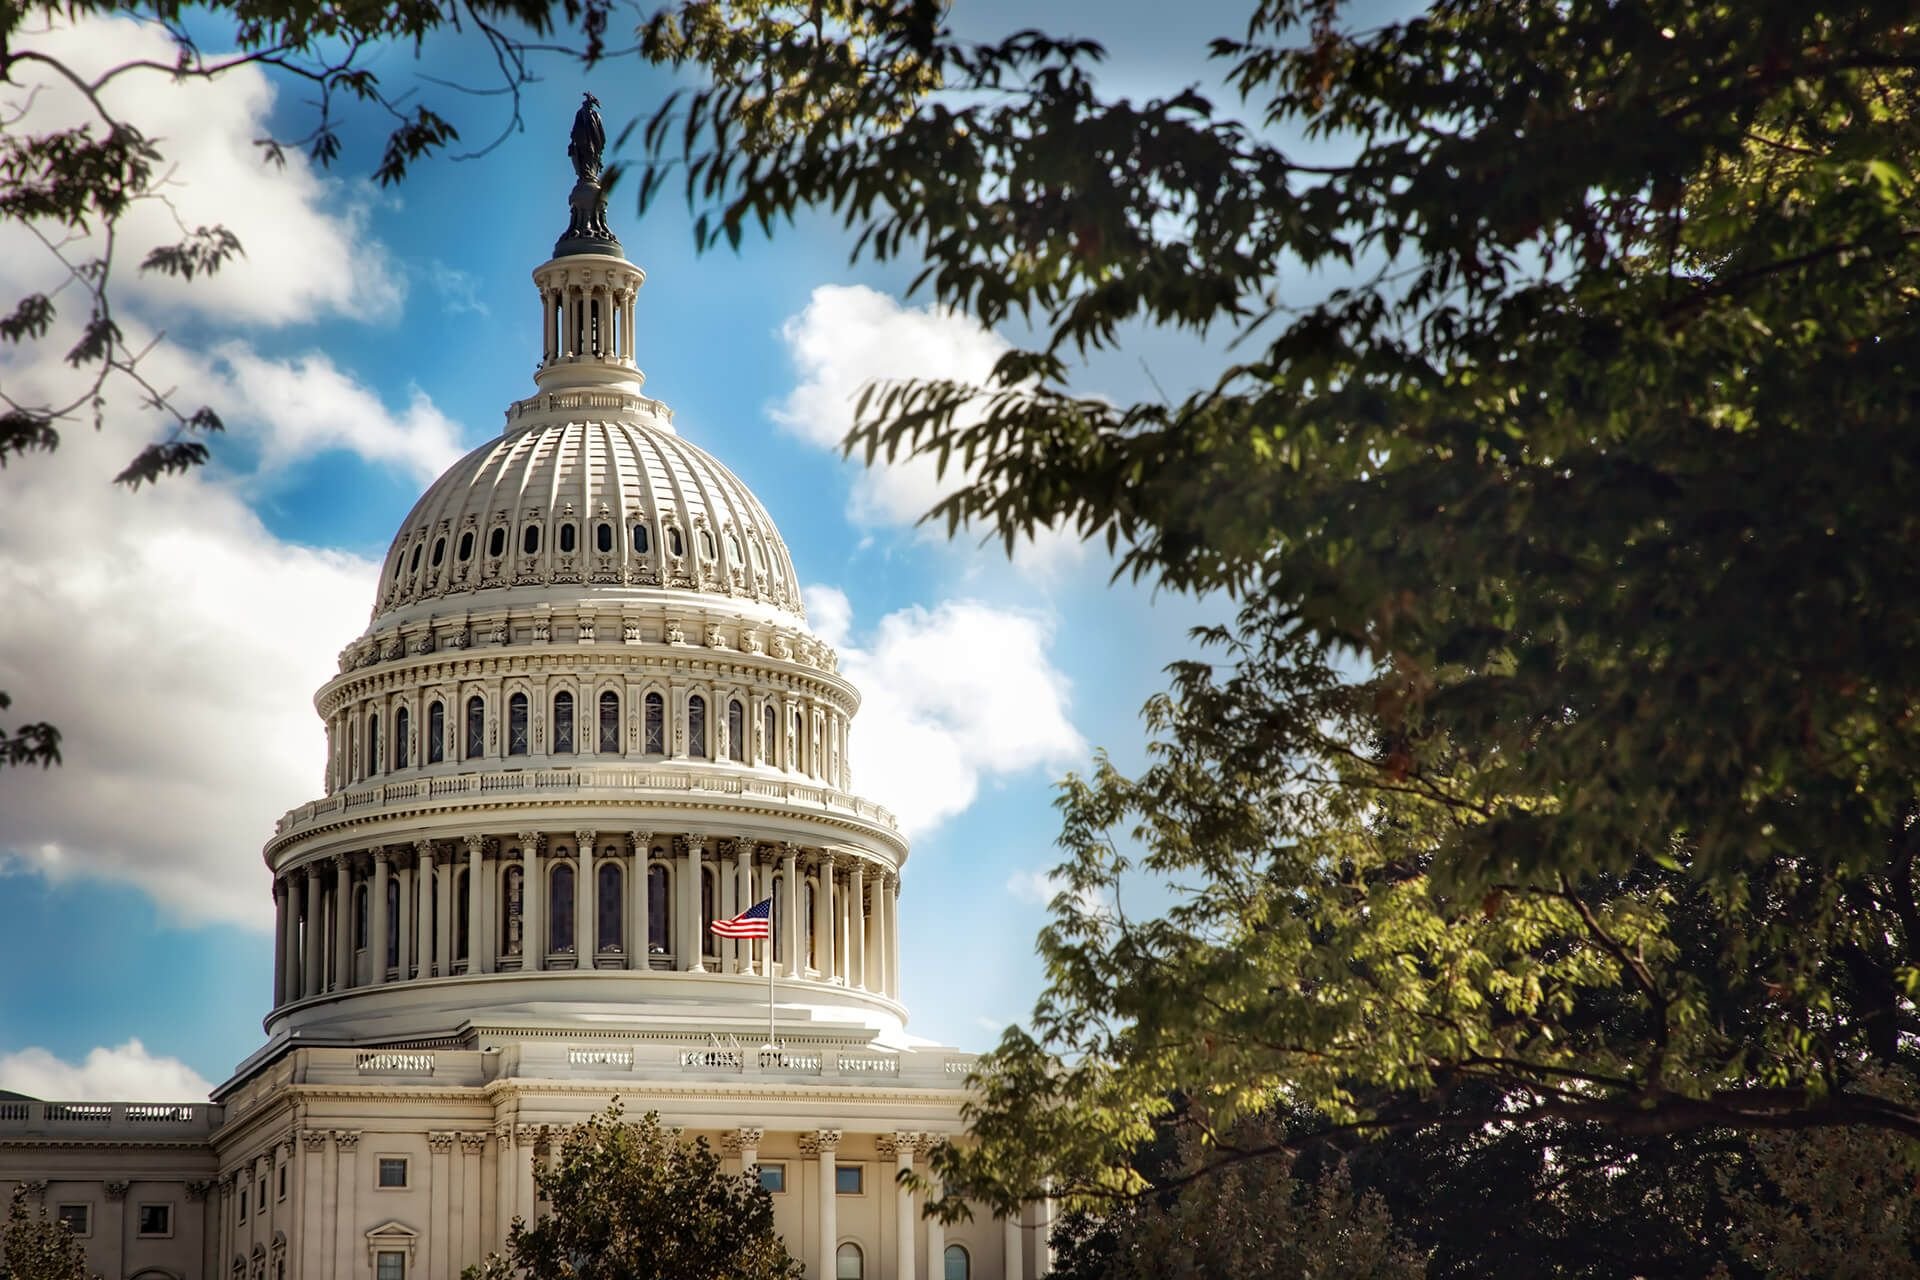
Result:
x=767 y=959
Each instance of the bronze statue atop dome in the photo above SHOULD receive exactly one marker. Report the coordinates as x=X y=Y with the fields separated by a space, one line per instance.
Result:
x=587 y=230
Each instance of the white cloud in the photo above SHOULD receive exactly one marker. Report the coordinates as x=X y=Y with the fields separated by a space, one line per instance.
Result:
x=306 y=251
x=850 y=336
x=950 y=696
x=1035 y=886
x=124 y=1073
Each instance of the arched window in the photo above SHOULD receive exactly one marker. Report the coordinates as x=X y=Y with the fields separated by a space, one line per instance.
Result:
x=497 y=541
x=737 y=731
x=799 y=760
x=697 y=727
x=813 y=943
x=476 y=727
x=640 y=542
x=466 y=546
x=402 y=722
x=706 y=544
x=958 y=1265
x=517 y=725
x=393 y=923
x=462 y=915
x=733 y=549
x=560 y=917
x=510 y=917
x=674 y=544
x=566 y=537
x=373 y=744
x=610 y=723
x=562 y=723
x=530 y=540
x=413 y=565
x=607 y=908
x=439 y=551
x=656 y=726
x=436 y=732
x=359 y=916
x=708 y=943
x=603 y=537
x=848 y=1264
x=768 y=722
x=659 y=917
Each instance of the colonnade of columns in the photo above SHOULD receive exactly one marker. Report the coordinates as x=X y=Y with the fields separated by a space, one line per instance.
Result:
x=582 y=899
x=587 y=320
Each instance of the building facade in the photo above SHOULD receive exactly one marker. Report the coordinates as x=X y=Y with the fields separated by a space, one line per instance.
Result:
x=586 y=719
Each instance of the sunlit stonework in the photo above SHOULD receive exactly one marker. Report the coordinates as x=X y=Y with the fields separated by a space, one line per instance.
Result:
x=586 y=719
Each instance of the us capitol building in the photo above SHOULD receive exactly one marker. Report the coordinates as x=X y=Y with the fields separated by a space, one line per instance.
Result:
x=587 y=719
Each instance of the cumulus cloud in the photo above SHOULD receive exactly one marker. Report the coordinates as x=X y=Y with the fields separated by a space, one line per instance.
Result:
x=123 y=1073
x=951 y=696
x=304 y=235
x=849 y=336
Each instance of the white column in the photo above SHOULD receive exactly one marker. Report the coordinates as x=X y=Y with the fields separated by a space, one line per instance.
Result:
x=525 y=1206
x=636 y=942
x=1043 y=1238
x=377 y=933
x=342 y=924
x=936 y=1249
x=743 y=873
x=790 y=936
x=479 y=936
x=505 y=1164
x=420 y=906
x=348 y=1242
x=403 y=869
x=1010 y=1247
x=725 y=950
x=586 y=899
x=433 y=1256
x=311 y=978
x=902 y=1144
x=691 y=928
x=443 y=877
x=857 y=926
x=824 y=922
x=473 y=1148
x=826 y=1142
x=533 y=935
x=282 y=950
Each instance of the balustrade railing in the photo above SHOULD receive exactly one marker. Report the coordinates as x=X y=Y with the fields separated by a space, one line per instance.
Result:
x=170 y=1118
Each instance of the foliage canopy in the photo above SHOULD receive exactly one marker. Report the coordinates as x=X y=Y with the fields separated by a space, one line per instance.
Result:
x=1557 y=452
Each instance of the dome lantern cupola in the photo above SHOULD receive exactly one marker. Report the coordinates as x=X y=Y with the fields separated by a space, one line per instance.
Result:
x=588 y=289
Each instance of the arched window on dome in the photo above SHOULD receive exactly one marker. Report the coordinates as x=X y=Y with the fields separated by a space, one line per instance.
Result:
x=709 y=945
x=848 y=1264
x=697 y=727
x=759 y=556
x=402 y=723
x=770 y=723
x=674 y=544
x=466 y=546
x=736 y=731
x=476 y=727
x=373 y=744
x=813 y=943
x=563 y=723
x=609 y=736
x=706 y=544
x=567 y=538
x=497 y=541
x=607 y=910
x=799 y=760
x=463 y=916
x=603 y=537
x=733 y=549
x=512 y=897
x=392 y=957
x=656 y=725
x=439 y=552
x=956 y=1265
x=530 y=540
x=560 y=916
x=659 y=912
x=413 y=565
x=517 y=742
x=436 y=732
x=640 y=540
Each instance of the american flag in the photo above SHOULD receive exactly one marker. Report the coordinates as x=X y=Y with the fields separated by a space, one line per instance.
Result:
x=755 y=922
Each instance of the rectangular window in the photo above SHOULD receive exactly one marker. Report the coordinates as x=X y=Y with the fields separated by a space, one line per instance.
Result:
x=241 y=1201
x=77 y=1218
x=847 y=1180
x=157 y=1219
x=393 y=1171
x=773 y=1178
x=283 y=1182
x=390 y=1266
x=260 y=1201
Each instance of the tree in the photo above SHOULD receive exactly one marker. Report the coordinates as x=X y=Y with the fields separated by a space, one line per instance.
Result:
x=67 y=186
x=36 y=1247
x=1558 y=454
x=635 y=1202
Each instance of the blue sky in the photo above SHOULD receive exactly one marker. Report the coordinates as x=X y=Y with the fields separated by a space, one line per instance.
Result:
x=177 y=634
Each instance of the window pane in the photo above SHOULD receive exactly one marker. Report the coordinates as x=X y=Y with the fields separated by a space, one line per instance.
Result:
x=847 y=1263
x=373 y=745
x=436 y=733
x=737 y=731
x=566 y=537
x=767 y=724
x=393 y=1266
x=393 y=925
x=73 y=1217
x=393 y=1171
x=958 y=1264
x=610 y=723
x=497 y=543
x=402 y=722
x=640 y=539
x=773 y=1177
x=476 y=728
x=657 y=918
x=697 y=727
x=609 y=907
x=156 y=1219
x=530 y=540
x=846 y=1179
x=656 y=725
x=563 y=722
x=560 y=926
x=466 y=545
x=603 y=537
x=517 y=725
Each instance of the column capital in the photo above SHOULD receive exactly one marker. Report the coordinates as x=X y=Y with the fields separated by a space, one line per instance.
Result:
x=315 y=1139
x=503 y=1134
x=440 y=1143
x=339 y=863
x=819 y=1142
x=346 y=1139
x=642 y=841
x=382 y=855
x=534 y=842
x=475 y=845
x=585 y=840
x=473 y=1143
x=116 y=1191
x=197 y=1190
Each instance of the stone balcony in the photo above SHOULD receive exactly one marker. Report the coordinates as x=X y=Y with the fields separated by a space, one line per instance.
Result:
x=110 y=1121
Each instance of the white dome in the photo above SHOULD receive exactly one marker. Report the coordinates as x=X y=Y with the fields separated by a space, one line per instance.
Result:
x=608 y=507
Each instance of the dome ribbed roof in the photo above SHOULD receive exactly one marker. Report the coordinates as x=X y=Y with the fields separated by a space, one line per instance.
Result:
x=616 y=508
